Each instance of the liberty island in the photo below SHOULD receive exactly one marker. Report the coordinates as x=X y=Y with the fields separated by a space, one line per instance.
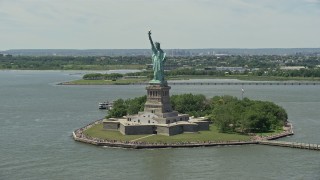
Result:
x=159 y=118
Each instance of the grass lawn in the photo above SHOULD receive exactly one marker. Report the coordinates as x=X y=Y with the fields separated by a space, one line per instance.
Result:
x=98 y=132
x=278 y=131
x=106 y=82
x=211 y=135
x=239 y=77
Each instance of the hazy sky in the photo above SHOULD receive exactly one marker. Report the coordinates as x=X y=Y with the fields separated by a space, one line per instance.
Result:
x=123 y=24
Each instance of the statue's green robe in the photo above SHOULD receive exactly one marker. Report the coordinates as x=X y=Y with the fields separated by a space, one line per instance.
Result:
x=158 y=59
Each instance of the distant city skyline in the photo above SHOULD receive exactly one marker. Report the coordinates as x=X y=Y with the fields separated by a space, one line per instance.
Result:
x=184 y=24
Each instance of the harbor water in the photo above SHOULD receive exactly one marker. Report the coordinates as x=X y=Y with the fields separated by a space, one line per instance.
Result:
x=37 y=117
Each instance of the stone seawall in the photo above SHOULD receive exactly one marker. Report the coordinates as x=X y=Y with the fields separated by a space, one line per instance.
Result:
x=143 y=145
x=288 y=132
x=79 y=136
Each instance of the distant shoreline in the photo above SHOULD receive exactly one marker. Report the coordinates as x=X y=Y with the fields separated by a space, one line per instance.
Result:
x=143 y=51
x=182 y=82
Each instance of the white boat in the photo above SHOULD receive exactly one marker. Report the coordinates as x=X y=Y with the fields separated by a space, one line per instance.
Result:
x=106 y=105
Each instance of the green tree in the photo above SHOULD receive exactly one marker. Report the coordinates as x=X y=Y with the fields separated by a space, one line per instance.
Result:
x=135 y=105
x=119 y=109
x=112 y=76
x=228 y=113
x=195 y=105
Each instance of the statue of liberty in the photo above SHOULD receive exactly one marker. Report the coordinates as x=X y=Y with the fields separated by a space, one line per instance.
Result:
x=158 y=60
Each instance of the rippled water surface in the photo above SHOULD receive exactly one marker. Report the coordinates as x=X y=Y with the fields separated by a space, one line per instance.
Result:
x=37 y=118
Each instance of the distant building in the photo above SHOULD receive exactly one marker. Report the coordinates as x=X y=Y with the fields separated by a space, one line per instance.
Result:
x=232 y=69
x=186 y=67
x=292 y=67
x=221 y=55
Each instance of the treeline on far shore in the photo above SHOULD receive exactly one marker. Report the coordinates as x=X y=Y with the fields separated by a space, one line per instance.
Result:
x=72 y=62
x=209 y=65
x=229 y=114
x=271 y=74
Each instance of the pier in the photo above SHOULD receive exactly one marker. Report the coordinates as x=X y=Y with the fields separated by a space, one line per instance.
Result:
x=270 y=140
x=252 y=83
x=291 y=145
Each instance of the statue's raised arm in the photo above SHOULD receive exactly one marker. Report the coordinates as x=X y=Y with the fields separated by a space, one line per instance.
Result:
x=151 y=42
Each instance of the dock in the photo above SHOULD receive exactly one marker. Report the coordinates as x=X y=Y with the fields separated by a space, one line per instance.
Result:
x=271 y=140
x=291 y=145
x=240 y=83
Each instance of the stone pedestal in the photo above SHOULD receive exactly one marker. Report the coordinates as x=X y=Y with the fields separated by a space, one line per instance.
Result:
x=158 y=101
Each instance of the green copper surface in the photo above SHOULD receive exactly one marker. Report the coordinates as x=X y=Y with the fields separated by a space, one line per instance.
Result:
x=158 y=60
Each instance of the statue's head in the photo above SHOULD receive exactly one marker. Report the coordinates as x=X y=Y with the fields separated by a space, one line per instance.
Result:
x=157 y=45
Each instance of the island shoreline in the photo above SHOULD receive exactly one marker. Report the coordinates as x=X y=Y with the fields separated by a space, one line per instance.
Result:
x=79 y=136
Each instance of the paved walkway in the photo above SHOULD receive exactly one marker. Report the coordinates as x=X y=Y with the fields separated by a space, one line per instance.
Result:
x=142 y=137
